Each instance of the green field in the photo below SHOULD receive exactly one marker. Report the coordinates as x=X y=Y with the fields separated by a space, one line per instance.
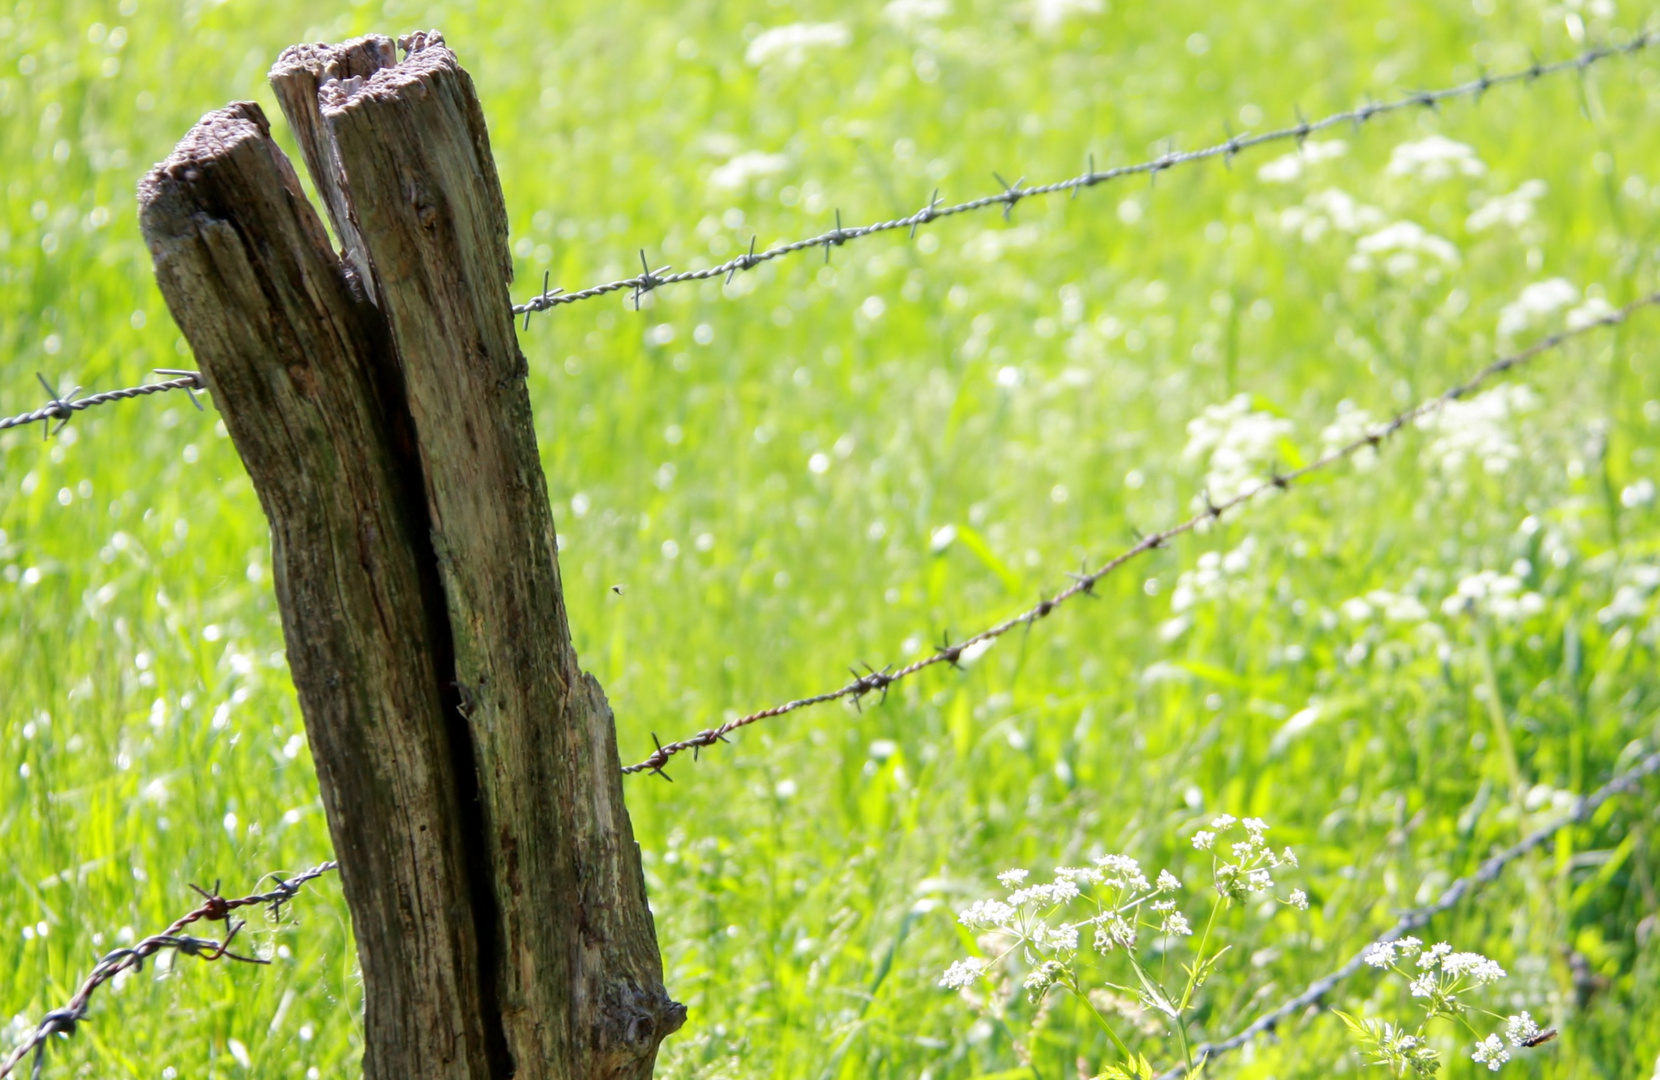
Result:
x=824 y=464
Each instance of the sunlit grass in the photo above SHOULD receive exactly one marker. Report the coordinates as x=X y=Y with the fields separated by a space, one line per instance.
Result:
x=766 y=469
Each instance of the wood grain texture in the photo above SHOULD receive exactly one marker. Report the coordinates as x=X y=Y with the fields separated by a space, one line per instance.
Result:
x=577 y=975
x=296 y=362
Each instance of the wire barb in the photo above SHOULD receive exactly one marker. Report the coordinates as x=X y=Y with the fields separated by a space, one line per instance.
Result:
x=1084 y=583
x=214 y=908
x=61 y=408
x=1316 y=993
x=1012 y=194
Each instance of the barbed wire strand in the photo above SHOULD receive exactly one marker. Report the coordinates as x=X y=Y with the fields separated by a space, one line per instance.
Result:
x=879 y=681
x=648 y=279
x=62 y=407
x=1416 y=918
x=214 y=908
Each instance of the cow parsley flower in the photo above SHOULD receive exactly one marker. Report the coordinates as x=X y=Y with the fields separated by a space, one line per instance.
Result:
x=1235 y=441
x=1536 y=303
x=1521 y=1029
x=1491 y=1053
x=1481 y=429
x=984 y=914
x=1434 y=158
x=789 y=45
x=963 y=973
x=1010 y=879
x=1511 y=210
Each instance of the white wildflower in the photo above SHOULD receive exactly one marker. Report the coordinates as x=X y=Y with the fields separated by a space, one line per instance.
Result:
x=1298 y=899
x=1167 y=882
x=1288 y=857
x=1235 y=441
x=986 y=913
x=1048 y=15
x=1481 y=429
x=1431 y=956
x=1380 y=954
x=1114 y=931
x=1521 y=1029
x=1592 y=311
x=1204 y=840
x=1352 y=425
x=963 y=973
x=1498 y=595
x=1217 y=574
x=1259 y=881
x=1409 y=945
x=1434 y=158
x=1042 y=978
x=1425 y=985
x=1176 y=923
x=790 y=44
x=1289 y=167
x=908 y=13
x=1474 y=965
x=1512 y=210
x=1255 y=826
x=1536 y=303
x=1011 y=878
x=1059 y=938
x=1330 y=210
x=744 y=168
x=1491 y=1053
x=1399 y=247
x=1125 y=872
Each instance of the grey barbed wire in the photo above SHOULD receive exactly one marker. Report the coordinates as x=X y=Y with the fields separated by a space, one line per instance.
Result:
x=214 y=908
x=62 y=407
x=879 y=681
x=1416 y=918
x=648 y=279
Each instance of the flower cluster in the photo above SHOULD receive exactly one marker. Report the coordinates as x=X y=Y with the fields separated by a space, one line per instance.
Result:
x=1435 y=158
x=1438 y=978
x=1480 y=429
x=1038 y=927
x=1249 y=864
x=1289 y=167
x=1118 y=889
x=1512 y=210
x=1398 y=247
x=1491 y=593
x=1235 y=441
x=1536 y=302
x=1330 y=210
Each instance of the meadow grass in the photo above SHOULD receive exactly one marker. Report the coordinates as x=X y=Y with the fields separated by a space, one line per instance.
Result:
x=769 y=470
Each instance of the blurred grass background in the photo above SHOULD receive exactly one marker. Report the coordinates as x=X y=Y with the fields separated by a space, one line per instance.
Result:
x=769 y=469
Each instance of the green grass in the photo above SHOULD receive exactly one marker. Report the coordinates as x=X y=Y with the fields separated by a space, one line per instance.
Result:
x=1028 y=383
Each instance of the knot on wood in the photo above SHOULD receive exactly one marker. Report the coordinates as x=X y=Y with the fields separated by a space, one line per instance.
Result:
x=634 y=1020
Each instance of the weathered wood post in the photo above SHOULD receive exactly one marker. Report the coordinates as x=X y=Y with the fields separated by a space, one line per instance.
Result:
x=468 y=766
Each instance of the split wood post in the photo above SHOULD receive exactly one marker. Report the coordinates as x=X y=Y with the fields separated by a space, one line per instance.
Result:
x=468 y=765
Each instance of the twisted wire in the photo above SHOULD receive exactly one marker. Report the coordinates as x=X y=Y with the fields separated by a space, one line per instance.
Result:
x=62 y=408
x=214 y=908
x=648 y=279
x=1416 y=918
x=879 y=681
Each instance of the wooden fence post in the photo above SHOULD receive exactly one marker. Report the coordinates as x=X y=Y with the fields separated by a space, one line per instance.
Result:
x=468 y=766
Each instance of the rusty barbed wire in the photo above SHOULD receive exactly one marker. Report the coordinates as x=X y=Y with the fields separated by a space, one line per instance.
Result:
x=1316 y=991
x=64 y=407
x=214 y=908
x=880 y=680
x=648 y=279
